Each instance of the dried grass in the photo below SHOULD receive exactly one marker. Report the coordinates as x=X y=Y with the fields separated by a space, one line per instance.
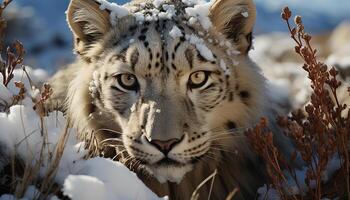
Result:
x=319 y=131
x=18 y=175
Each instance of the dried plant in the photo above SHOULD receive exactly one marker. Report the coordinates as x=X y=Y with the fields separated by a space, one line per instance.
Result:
x=18 y=174
x=319 y=131
x=45 y=94
x=3 y=24
x=13 y=56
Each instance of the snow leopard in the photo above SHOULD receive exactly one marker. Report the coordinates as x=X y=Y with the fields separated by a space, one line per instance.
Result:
x=167 y=88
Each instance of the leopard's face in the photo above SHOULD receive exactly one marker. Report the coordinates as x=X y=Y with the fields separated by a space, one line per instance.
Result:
x=161 y=92
x=173 y=89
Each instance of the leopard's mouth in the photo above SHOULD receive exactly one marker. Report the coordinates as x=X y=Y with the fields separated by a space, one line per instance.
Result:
x=168 y=162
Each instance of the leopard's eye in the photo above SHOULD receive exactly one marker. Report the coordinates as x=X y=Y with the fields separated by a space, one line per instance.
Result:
x=198 y=79
x=128 y=81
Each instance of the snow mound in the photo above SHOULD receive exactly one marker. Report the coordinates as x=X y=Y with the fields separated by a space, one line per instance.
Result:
x=111 y=180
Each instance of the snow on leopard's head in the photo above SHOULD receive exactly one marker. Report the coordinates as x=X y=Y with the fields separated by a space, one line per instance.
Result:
x=170 y=79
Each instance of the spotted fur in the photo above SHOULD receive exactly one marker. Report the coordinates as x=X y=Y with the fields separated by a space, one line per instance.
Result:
x=207 y=123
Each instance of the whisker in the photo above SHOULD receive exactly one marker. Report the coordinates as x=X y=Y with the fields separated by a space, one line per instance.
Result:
x=111 y=139
x=225 y=150
x=106 y=129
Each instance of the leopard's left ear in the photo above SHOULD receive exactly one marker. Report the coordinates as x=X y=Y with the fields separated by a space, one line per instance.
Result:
x=235 y=19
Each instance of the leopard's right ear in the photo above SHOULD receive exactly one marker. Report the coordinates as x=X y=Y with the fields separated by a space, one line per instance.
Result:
x=88 y=23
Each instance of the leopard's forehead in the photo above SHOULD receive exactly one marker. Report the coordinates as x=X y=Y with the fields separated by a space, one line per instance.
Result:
x=164 y=48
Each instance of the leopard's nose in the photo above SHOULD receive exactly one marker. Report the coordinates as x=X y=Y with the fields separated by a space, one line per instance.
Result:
x=165 y=146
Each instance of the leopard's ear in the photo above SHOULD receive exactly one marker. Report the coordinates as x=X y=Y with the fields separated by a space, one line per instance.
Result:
x=87 y=22
x=235 y=19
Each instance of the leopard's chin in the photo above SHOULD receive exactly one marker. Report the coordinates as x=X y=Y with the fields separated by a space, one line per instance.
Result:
x=172 y=172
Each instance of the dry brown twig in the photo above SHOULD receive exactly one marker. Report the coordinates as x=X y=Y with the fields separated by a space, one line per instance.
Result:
x=23 y=173
x=14 y=56
x=319 y=131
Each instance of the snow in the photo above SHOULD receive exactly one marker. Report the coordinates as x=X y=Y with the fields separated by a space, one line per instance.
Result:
x=339 y=61
x=5 y=95
x=175 y=32
x=169 y=13
x=117 y=11
x=155 y=14
x=245 y=14
x=139 y=17
x=74 y=185
x=200 y=12
x=158 y=3
x=224 y=67
x=287 y=76
x=115 y=181
x=201 y=47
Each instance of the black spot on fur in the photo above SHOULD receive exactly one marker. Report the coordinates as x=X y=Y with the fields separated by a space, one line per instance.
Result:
x=173 y=55
x=166 y=56
x=177 y=46
x=231 y=125
x=189 y=57
x=244 y=94
x=149 y=66
x=142 y=37
x=132 y=28
x=134 y=59
x=146 y=44
x=157 y=64
x=144 y=30
x=173 y=66
x=186 y=125
x=237 y=86
x=122 y=55
x=230 y=96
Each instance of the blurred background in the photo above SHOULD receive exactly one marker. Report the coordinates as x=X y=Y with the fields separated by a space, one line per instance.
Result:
x=41 y=26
